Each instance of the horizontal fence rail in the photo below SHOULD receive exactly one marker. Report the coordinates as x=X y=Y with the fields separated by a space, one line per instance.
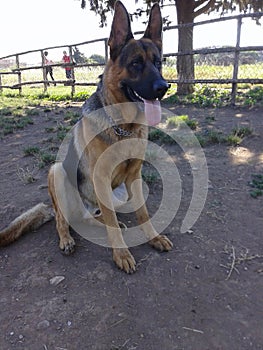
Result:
x=18 y=68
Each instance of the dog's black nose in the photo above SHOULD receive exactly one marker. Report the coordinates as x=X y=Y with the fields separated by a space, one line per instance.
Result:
x=160 y=87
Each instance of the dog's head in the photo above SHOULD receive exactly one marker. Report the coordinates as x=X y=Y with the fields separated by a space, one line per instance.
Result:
x=139 y=62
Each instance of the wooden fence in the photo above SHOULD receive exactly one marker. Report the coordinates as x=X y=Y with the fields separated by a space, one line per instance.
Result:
x=73 y=82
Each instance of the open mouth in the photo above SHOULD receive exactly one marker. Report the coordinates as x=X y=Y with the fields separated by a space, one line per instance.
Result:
x=131 y=94
x=152 y=108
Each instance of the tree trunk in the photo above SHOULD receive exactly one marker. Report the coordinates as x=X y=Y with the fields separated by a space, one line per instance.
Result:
x=185 y=63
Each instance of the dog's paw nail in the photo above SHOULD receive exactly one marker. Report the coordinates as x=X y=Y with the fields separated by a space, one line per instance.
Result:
x=161 y=243
x=124 y=260
x=67 y=247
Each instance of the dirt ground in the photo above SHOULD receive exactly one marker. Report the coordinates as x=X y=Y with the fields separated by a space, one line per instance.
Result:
x=206 y=294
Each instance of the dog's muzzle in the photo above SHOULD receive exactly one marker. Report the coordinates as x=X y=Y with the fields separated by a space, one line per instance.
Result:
x=160 y=88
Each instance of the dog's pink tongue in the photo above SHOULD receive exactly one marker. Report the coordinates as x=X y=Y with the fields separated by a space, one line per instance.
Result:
x=152 y=109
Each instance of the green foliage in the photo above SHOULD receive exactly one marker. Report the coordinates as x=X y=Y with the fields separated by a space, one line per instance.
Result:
x=254 y=96
x=10 y=123
x=72 y=118
x=181 y=121
x=46 y=158
x=161 y=136
x=149 y=174
x=234 y=138
x=257 y=184
x=31 y=150
x=95 y=58
x=242 y=131
x=43 y=157
x=203 y=96
x=81 y=96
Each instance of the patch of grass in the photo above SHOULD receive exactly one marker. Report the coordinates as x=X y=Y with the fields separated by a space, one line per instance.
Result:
x=254 y=96
x=81 y=96
x=5 y=111
x=233 y=139
x=50 y=129
x=203 y=96
x=9 y=123
x=180 y=121
x=62 y=131
x=214 y=137
x=242 y=131
x=44 y=157
x=210 y=119
x=72 y=117
x=31 y=112
x=237 y=135
x=161 y=136
x=257 y=184
x=150 y=176
x=31 y=150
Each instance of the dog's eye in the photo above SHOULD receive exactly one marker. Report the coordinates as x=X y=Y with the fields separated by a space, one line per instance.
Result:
x=137 y=64
x=158 y=64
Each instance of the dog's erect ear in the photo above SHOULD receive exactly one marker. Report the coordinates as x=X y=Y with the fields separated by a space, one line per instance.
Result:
x=155 y=26
x=120 y=30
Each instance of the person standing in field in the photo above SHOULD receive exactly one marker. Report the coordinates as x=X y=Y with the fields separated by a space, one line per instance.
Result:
x=48 y=68
x=68 y=70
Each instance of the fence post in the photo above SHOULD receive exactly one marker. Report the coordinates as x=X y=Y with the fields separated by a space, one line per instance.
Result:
x=18 y=75
x=44 y=71
x=236 y=62
x=73 y=72
x=106 y=50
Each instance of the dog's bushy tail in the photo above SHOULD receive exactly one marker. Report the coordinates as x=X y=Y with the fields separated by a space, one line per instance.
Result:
x=28 y=221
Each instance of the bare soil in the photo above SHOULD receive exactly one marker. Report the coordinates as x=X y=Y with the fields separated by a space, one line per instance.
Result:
x=206 y=294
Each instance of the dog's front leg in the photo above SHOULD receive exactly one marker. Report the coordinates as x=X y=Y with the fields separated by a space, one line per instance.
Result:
x=121 y=254
x=134 y=188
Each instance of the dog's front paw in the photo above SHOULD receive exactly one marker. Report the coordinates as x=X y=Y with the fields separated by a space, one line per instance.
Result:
x=67 y=245
x=161 y=243
x=124 y=260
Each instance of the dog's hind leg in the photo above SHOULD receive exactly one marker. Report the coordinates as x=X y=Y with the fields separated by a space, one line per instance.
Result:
x=66 y=243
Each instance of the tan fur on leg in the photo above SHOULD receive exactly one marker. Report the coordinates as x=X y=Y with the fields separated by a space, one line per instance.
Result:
x=28 y=221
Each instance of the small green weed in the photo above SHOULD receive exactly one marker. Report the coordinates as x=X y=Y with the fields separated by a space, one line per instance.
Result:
x=242 y=131
x=150 y=176
x=10 y=123
x=257 y=184
x=237 y=135
x=214 y=137
x=31 y=150
x=50 y=129
x=72 y=117
x=32 y=112
x=62 y=131
x=254 y=96
x=161 y=136
x=44 y=157
x=180 y=121
x=203 y=96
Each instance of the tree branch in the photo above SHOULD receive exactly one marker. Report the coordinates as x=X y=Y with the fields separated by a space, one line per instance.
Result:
x=205 y=8
x=199 y=3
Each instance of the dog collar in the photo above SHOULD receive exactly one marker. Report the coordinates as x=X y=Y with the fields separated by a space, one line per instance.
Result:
x=118 y=130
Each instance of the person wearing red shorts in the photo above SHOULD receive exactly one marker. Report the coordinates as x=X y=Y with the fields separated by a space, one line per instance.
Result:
x=66 y=59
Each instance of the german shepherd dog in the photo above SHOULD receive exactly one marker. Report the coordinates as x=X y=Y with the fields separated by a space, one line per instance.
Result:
x=131 y=80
